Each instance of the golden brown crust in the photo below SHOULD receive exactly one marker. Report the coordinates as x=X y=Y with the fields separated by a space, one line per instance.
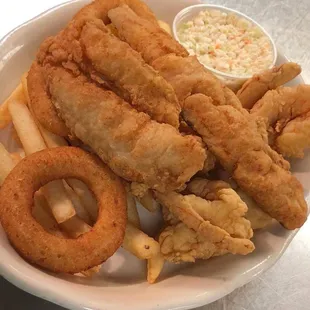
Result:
x=256 y=87
x=41 y=104
x=258 y=170
x=48 y=251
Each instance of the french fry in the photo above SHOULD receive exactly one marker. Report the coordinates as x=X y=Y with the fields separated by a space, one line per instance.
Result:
x=16 y=157
x=5 y=116
x=132 y=212
x=43 y=217
x=32 y=141
x=148 y=202
x=86 y=197
x=139 y=244
x=154 y=267
x=6 y=163
x=91 y=272
x=25 y=86
x=75 y=227
x=78 y=205
x=26 y=128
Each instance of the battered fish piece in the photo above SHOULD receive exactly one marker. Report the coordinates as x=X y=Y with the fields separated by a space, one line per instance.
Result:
x=259 y=171
x=141 y=85
x=256 y=87
x=205 y=188
x=135 y=147
x=224 y=218
x=186 y=75
x=258 y=218
x=209 y=190
x=138 y=31
x=295 y=137
x=281 y=105
x=285 y=112
x=178 y=243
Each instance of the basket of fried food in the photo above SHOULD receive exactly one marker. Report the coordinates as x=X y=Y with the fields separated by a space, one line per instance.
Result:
x=114 y=113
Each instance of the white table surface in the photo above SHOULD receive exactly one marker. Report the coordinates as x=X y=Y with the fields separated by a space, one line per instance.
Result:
x=286 y=286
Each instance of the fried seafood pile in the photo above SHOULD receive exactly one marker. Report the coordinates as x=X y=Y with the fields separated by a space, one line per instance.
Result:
x=115 y=81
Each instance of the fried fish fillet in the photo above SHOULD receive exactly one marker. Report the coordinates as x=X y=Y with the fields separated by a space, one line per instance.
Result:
x=210 y=219
x=257 y=86
x=178 y=243
x=135 y=147
x=92 y=49
x=281 y=105
x=295 y=137
x=138 y=31
x=210 y=190
x=139 y=83
x=240 y=149
x=285 y=112
x=186 y=75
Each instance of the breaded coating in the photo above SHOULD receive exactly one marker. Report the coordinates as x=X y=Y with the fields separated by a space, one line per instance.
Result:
x=205 y=188
x=285 y=112
x=240 y=149
x=295 y=137
x=257 y=86
x=257 y=217
x=214 y=220
x=138 y=31
x=136 y=81
x=135 y=147
x=281 y=105
x=178 y=243
x=186 y=75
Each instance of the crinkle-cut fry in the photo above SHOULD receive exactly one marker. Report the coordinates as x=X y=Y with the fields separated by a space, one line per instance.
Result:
x=295 y=137
x=77 y=203
x=154 y=267
x=179 y=243
x=258 y=218
x=165 y=26
x=132 y=211
x=5 y=116
x=139 y=244
x=257 y=86
x=86 y=197
x=183 y=208
x=32 y=142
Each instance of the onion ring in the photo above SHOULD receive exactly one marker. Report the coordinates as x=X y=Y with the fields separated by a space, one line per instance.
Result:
x=48 y=251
